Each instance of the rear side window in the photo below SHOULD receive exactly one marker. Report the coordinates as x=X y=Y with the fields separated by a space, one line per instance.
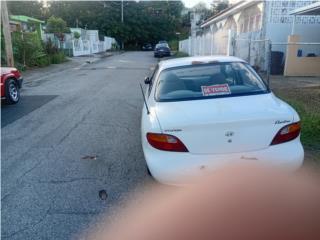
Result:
x=155 y=72
x=208 y=81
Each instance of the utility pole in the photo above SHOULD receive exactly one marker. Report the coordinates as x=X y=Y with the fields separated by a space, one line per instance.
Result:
x=122 y=21
x=7 y=33
x=122 y=11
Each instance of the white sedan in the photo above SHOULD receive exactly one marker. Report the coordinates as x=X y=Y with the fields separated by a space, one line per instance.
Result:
x=202 y=113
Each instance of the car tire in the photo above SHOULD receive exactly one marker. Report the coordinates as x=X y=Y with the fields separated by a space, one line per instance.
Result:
x=12 y=91
x=148 y=171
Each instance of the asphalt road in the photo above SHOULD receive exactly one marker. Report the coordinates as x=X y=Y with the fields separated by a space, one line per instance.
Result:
x=73 y=134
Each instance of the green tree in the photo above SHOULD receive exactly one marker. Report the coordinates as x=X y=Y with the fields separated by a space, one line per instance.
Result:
x=57 y=26
x=204 y=10
x=144 y=21
x=33 y=9
x=218 y=6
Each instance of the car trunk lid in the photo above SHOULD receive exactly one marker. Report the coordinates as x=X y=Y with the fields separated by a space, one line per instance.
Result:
x=225 y=125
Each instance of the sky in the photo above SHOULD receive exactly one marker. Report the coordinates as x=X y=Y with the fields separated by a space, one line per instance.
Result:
x=187 y=3
x=191 y=3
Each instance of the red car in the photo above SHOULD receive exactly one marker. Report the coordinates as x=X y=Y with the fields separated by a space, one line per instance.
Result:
x=11 y=82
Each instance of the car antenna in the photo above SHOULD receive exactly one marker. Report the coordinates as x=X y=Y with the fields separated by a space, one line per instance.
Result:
x=144 y=99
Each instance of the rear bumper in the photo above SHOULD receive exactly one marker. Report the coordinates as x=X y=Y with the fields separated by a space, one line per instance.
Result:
x=180 y=168
x=161 y=54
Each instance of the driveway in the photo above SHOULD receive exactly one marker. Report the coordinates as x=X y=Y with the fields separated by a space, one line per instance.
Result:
x=71 y=148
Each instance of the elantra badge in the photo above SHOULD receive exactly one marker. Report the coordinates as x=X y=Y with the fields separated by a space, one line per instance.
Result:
x=282 y=121
x=229 y=134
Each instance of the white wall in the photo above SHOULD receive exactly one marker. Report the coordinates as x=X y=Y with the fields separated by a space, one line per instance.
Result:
x=92 y=35
x=83 y=46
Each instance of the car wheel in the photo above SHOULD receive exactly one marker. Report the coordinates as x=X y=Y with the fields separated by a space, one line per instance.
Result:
x=12 y=91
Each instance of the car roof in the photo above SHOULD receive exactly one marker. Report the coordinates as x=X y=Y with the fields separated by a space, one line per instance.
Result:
x=185 y=61
x=163 y=44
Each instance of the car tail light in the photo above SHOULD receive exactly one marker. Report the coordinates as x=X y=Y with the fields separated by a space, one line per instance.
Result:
x=287 y=133
x=166 y=142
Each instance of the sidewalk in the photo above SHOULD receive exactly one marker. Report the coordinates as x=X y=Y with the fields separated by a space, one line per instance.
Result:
x=73 y=62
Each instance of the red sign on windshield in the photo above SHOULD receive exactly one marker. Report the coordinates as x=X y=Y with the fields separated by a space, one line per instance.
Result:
x=219 y=89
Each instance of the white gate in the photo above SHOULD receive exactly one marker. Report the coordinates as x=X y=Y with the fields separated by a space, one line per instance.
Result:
x=80 y=47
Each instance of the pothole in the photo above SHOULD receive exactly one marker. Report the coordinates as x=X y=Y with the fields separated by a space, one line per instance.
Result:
x=103 y=194
x=90 y=157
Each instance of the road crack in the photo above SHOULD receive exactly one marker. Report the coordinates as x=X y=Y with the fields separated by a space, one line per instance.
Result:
x=74 y=127
x=67 y=181
x=56 y=212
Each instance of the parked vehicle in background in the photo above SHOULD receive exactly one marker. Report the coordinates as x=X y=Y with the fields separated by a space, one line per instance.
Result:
x=11 y=82
x=162 y=50
x=206 y=112
x=147 y=47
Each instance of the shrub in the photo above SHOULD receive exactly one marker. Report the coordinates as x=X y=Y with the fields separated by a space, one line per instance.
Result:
x=174 y=45
x=114 y=46
x=20 y=66
x=58 y=57
x=27 y=48
x=43 y=61
x=50 y=47
x=76 y=35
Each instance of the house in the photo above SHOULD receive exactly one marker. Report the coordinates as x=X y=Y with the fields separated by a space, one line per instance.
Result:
x=26 y=24
x=254 y=30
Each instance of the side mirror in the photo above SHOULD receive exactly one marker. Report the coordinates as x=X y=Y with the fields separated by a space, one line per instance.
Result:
x=147 y=80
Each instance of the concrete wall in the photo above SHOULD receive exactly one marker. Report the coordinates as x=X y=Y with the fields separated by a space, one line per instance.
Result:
x=300 y=66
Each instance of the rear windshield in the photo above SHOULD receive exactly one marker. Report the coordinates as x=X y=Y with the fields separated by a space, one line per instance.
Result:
x=159 y=45
x=208 y=81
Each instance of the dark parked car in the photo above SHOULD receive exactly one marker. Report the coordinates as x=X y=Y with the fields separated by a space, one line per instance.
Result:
x=147 y=47
x=11 y=81
x=162 y=50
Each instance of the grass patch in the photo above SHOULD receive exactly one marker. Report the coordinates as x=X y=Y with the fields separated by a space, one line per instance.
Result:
x=180 y=55
x=310 y=133
x=306 y=102
x=57 y=58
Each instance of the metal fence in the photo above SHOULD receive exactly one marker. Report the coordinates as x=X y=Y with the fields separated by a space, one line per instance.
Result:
x=255 y=52
x=185 y=45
